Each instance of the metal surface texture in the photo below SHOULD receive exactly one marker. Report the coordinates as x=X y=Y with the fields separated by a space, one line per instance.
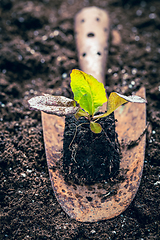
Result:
x=87 y=203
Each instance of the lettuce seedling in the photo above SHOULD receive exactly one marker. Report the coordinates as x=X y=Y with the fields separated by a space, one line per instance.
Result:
x=89 y=96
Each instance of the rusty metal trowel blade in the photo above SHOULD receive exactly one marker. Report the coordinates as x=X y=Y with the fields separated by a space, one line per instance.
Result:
x=85 y=203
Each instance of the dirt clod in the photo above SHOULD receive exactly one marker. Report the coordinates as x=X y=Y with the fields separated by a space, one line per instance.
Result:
x=90 y=157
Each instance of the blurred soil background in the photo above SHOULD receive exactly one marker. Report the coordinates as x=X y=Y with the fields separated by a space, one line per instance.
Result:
x=37 y=54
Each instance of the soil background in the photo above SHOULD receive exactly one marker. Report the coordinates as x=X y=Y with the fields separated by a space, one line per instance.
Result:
x=37 y=54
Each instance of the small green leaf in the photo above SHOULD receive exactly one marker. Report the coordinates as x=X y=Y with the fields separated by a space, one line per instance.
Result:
x=86 y=103
x=57 y=105
x=115 y=100
x=88 y=92
x=95 y=127
x=80 y=113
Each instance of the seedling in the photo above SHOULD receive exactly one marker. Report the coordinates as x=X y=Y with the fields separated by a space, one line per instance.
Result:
x=89 y=96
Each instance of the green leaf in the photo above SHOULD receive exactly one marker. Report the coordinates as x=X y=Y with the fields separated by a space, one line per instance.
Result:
x=80 y=113
x=95 y=127
x=86 y=103
x=88 y=92
x=115 y=100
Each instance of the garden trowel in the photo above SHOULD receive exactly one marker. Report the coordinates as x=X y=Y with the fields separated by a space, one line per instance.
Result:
x=94 y=203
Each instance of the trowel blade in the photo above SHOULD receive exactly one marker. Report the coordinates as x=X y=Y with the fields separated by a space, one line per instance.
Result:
x=86 y=203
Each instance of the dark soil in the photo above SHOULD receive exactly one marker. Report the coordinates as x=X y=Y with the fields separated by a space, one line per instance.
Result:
x=37 y=53
x=89 y=157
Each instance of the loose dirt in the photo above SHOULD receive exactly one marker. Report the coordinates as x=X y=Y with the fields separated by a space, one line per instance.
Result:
x=38 y=52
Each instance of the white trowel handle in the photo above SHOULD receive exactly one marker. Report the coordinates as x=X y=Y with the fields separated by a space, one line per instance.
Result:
x=92 y=35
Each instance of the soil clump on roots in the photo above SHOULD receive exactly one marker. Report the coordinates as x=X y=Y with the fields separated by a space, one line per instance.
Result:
x=90 y=157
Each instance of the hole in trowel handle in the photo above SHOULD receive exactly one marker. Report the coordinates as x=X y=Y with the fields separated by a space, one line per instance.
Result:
x=99 y=53
x=90 y=35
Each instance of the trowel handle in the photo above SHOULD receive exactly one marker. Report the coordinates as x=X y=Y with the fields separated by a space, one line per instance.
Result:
x=92 y=36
